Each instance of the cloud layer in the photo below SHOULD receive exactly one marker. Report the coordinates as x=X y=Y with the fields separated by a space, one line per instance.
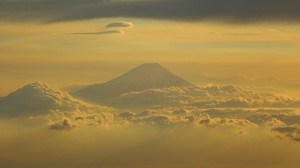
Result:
x=22 y=145
x=281 y=123
x=205 y=97
x=161 y=108
x=161 y=138
x=235 y=11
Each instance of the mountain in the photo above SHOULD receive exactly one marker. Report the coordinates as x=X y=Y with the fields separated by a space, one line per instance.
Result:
x=37 y=98
x=152 y=86
x=145 y=76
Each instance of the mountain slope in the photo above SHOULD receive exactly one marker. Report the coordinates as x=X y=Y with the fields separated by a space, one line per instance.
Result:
x=151 y=85
x=37 y=98
x=145 y=76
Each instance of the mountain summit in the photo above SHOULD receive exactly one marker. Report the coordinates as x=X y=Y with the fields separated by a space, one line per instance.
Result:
x=145 y=76
x=36 y=99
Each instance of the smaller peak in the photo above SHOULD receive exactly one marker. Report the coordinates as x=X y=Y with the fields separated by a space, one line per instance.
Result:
x=35 y=89
x=36 y=84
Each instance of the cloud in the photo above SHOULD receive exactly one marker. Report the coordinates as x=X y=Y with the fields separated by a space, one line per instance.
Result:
x=119 y=24
x=205 y=97
x=66 y=124
x=26 y=144
x=236 y=97
x=292 y=132
x=234 y=11
x=109 y=29
x=104 y=32
x=60 y=120
x=157 y=118
x=205 y=119
x=64 y=112
x=126 y=115
x=164 y=118
x=274 y=122
x=266 y=117
x=153 y=97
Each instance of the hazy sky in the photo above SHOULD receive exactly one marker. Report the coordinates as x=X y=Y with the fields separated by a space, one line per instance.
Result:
x=254 y=44
x=66 y=42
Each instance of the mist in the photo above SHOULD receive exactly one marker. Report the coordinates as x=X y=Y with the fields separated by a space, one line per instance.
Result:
x=30 y=143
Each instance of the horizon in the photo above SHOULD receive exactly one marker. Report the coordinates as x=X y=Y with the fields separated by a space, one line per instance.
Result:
x=284 y=85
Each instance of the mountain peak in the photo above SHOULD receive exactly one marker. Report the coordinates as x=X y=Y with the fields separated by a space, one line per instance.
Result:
x=148 y=71
x=37 y=98
x=145 y=76
x=36 y=89
x=36 y=85
x=150 y=65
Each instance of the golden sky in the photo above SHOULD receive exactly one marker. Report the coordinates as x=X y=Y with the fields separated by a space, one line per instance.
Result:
x=251 y=45
x=47 y=52
x=65 y=43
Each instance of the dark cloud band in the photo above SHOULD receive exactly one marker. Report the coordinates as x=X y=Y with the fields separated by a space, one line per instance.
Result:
x=236 y=11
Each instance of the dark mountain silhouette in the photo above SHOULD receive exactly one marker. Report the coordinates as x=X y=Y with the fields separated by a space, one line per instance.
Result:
x=145 y=76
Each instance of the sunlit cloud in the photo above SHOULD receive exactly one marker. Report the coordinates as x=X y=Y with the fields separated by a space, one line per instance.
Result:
x=119 y=24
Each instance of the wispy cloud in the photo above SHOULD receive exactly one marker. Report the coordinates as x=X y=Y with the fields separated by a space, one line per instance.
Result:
x=110 y=29
x=101 y=32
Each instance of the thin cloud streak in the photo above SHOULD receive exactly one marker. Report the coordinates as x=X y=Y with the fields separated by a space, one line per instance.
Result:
x=101 y=32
